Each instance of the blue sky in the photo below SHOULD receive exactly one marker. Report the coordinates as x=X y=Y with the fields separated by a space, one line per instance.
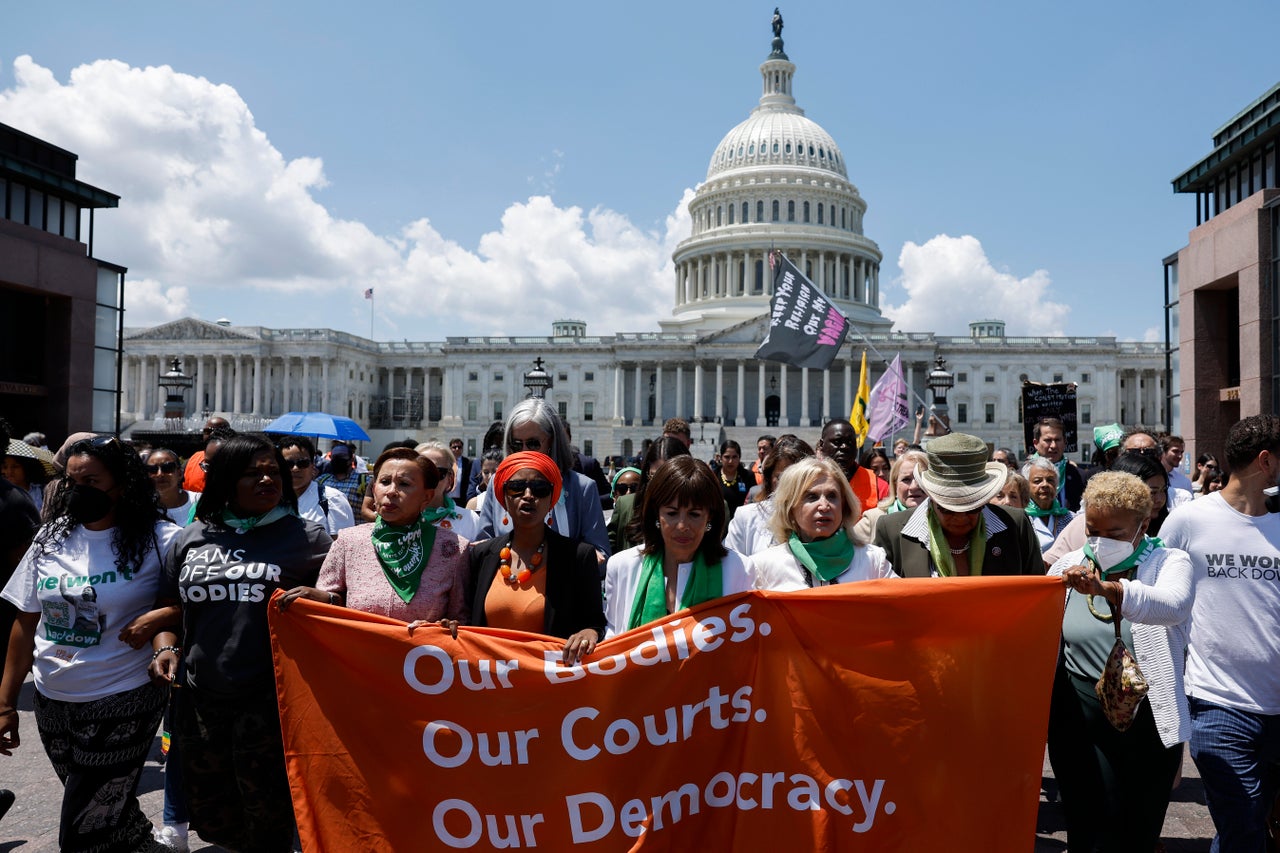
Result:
x=276 y=159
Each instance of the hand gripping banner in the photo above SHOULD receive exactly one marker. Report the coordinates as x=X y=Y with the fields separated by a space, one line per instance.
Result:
x=885 y=715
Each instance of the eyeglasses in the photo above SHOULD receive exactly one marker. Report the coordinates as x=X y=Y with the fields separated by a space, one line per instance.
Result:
x=540 y=488
x=301 y=464
x=530 y=444
x=161 y=468
x=626 y=488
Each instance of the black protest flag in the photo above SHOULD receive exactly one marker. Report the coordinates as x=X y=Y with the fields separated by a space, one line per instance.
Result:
x=805 y=328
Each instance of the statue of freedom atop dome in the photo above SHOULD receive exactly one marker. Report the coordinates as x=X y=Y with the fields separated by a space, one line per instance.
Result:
x=777 y=23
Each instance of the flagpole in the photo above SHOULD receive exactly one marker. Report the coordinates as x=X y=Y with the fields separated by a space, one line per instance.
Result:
x=866 y=342
x=372 y=297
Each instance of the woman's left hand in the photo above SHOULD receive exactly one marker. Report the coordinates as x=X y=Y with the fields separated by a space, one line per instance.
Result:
x=1085 y=580
x=580 y=645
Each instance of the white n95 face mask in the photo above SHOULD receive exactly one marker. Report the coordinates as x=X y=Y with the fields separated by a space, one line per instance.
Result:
x=1109 y=552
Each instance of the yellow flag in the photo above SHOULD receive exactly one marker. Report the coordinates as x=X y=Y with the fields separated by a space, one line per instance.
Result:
x=858 y=417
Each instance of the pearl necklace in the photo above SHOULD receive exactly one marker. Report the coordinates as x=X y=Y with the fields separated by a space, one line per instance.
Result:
x=956 y=552
x=515 y=578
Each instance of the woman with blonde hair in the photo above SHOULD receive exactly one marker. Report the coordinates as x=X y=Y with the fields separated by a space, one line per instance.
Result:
x=904 y=491
x=1115 y=784
x=813 y=517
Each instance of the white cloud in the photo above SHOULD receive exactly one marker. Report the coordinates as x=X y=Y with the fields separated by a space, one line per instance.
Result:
x=1153 y=335
x=950 y=282
x=212 y=215
x=147 y=302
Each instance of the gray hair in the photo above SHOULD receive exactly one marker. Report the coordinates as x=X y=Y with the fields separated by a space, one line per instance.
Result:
x=1039 y=462
x=537 y=411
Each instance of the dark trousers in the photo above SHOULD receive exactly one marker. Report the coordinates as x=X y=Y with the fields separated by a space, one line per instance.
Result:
x=1115 y=785
x=97 y=749
x=233 y=772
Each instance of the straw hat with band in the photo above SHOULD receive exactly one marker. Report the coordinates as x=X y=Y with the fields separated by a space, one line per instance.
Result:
x=959 y=477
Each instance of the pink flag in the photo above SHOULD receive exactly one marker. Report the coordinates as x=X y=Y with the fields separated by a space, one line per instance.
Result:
x=888 y=408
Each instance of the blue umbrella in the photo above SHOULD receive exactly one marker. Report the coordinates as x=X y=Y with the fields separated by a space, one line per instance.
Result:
x=319 y=424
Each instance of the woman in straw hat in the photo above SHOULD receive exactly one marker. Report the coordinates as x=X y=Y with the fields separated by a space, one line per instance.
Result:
x=956 y=531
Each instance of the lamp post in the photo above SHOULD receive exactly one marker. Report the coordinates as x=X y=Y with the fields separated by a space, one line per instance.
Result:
x=939 y=382
x=175 y=382
x=537 y=381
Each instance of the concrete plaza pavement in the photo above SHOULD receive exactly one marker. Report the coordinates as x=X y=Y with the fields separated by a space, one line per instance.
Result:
x=31 y=826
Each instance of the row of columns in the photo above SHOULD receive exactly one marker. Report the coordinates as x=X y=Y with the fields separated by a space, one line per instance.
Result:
x=230 y=383
x=840 y=275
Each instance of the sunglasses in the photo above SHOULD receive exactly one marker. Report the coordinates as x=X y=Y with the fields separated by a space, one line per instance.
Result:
x=161 y=468
x=626 y=488
x=540 y=488
x=301 y=464
x=532 y=444
x=98 y=442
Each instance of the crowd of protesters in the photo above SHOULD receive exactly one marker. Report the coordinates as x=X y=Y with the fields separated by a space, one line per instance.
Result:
x=137 y=586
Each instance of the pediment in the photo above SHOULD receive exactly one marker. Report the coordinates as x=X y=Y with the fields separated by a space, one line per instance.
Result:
x=750 y=331
x=189 y=328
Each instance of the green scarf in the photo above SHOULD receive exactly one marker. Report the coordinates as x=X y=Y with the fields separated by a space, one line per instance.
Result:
x=1148 y=544
x=403 y=552
x=940 y=551
x=431 y=515
x=1033 y=509
x=705 y=583
x=244 y=525
x=897 y=506
x=827 y=558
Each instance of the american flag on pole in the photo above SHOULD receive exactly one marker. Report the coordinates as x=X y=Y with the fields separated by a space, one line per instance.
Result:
x=368 y=294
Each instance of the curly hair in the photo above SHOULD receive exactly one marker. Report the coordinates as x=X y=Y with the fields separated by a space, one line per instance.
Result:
x=137 y=509
x=1115 y=491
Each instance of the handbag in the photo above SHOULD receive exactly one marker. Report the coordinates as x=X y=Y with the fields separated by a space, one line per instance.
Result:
x=1122 y=686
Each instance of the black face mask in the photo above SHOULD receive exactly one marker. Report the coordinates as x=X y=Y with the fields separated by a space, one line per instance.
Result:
x=85 y=504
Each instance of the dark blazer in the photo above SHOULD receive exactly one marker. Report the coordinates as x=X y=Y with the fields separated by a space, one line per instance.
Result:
x=574 y=600
x=1075 y=487
x=1012 y=547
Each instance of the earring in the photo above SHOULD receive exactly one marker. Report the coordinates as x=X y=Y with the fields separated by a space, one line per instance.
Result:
x=708 y=528
x=657 y=525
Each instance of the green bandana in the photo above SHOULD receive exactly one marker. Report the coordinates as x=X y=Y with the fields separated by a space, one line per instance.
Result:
x=244 y=525
x=431 y=515
x=1147 y=545
x=403 y=553
x=941 y=552
x=1033 y=509
x=827 y=558
x=705 y=583
x=897 y=506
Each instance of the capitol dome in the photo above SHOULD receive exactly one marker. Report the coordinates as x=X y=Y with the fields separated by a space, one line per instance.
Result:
x=776 y=180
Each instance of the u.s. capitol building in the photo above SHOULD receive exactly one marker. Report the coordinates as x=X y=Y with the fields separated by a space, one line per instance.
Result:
x=775 y=180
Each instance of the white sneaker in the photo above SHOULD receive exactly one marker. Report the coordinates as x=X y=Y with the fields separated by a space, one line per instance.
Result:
x=173 y=836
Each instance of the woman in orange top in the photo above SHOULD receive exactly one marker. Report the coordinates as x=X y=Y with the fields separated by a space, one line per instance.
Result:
x=534 y=579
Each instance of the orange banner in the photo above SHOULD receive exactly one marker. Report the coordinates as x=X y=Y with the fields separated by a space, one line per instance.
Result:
x=882 y=715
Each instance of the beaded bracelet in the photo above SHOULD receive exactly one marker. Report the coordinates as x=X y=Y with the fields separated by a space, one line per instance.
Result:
x=177 y=651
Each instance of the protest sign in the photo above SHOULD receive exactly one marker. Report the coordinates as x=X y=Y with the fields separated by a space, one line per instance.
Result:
x=883 y=715
x=805 y=328
x=1058 y=400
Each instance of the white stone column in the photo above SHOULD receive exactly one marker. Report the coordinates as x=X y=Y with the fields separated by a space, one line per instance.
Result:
x=286 y=405
x=783 y=412
x=720 y=392
x=637 y=413
x=218 y=384
x=140 y=404
x=697 y=390
x=1137 y=397
x=257 y=385
x=848 y=387
x=826 y=395
x=804 y=396
x=426 y=398
x=237 y=384
x=305 y=405
x=741 y=418
x=448 y=395
x=761 y=417
x=617 y=392
x=658 y=415
x=911 y=391
x=324 y=381
x=680 y=410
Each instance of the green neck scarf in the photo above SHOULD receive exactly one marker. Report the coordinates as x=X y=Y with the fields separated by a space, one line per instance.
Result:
x=940 y=551
x=431 y=515
x=244 y=525
x=1148 y=544
x=705 y=583
x=1033 y=509
x=827 y=558
x=897 y=506
x=403 y=552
